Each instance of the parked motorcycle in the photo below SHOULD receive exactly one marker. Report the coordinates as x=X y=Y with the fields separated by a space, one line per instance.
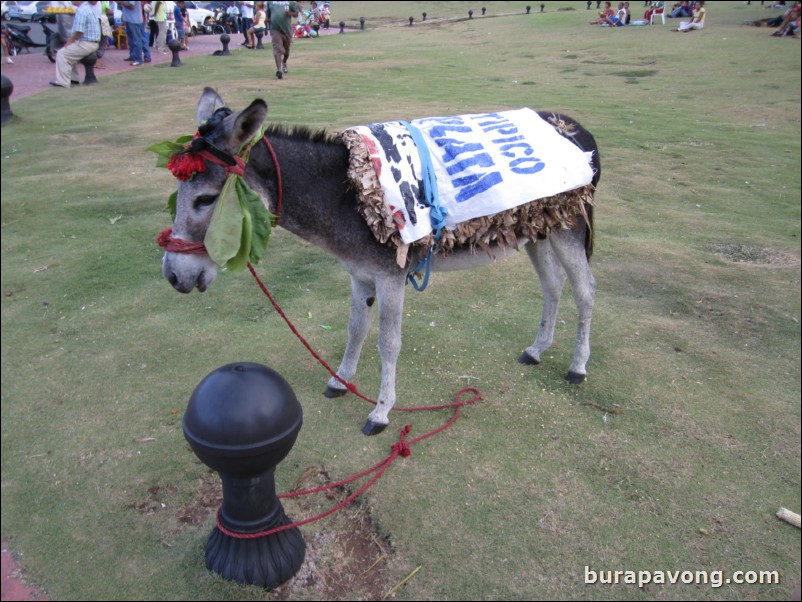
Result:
x=18 y=38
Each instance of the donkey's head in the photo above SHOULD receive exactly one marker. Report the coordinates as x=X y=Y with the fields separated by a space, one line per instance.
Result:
x=223 y=133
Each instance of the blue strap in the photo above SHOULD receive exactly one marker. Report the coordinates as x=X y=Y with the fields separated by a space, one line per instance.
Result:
x=425 y=263
x=437 y=214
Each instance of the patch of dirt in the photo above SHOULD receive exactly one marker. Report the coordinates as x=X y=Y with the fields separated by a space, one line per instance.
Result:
x=346 y=559
x=738 y=253
x=207 y=499
x=155 y=501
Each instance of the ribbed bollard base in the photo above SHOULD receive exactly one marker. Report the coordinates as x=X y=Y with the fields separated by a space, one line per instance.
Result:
x=265 y=561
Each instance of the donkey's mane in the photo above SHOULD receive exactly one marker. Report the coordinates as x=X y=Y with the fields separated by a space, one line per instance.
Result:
x=301 y=133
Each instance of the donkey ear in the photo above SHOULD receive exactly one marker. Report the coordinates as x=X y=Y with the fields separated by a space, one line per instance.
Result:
x=209 y=102
x=248 y=123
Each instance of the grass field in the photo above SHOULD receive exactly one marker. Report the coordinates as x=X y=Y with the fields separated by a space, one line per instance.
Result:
x=696 y=336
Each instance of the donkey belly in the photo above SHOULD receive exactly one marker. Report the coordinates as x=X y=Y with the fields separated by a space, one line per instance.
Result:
x=464 y=258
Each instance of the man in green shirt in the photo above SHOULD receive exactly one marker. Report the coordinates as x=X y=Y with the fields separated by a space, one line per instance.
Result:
x=280 y=16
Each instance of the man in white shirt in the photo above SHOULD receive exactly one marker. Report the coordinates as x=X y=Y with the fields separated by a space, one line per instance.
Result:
x=246 y=11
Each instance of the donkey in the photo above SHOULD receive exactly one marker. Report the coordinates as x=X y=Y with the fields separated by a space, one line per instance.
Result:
x=319 y=205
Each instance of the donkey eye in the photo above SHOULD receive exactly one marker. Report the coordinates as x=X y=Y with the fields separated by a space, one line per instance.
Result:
x=204 y=201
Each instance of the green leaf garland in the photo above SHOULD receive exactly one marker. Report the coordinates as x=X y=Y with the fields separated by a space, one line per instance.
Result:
x=241 y=224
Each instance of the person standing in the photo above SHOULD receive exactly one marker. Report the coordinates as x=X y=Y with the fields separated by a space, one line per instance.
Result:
x=246 y=14
x=133 y=17
x=280 y=15
x=180 y=17
x=83 y=41
x=159 y=16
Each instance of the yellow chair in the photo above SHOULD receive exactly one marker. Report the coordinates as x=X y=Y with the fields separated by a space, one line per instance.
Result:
x=121 y=38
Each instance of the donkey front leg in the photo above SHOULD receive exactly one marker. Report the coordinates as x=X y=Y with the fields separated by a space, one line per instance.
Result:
x=390 y=292
x=363 y=295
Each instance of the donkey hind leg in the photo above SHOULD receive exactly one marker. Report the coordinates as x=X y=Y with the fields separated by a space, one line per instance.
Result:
x=552 y=279
x=362 y=298
x=569 y=247
x=390 y=292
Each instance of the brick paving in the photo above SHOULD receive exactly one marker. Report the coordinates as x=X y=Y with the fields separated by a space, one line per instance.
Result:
x=31 y=73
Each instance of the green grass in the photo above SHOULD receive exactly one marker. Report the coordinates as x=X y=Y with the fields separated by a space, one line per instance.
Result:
x=695 y=337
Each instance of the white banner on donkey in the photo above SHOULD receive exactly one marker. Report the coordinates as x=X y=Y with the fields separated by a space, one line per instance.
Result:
x=484 y=164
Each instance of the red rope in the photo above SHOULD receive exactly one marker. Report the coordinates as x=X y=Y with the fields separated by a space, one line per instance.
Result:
x=349 y=386
x=238 y=169
x=400 y=448
x=169 y=243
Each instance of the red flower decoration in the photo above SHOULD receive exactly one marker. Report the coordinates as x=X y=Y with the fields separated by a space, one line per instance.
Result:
x=185 y=165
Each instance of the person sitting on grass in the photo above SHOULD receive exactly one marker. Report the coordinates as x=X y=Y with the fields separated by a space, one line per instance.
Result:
x=604 y=14
x=790 y=22
x=698 y=21
x=619 y=19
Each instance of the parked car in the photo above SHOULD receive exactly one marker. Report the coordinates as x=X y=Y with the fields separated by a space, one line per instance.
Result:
x=20 y=11
x=200 y=19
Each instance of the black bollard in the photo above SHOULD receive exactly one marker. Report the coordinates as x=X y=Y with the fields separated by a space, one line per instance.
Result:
x=89 y=62
x=225 y=39
x=411 y=19
x=470 y=14
x=542 y=7
x=424 y=16
x=528 y=8
x=6 y=89
x=342 y=26
x=259 y=35
x=175 y=47
x=484 y=9
x=361 y=22
x=241 y=421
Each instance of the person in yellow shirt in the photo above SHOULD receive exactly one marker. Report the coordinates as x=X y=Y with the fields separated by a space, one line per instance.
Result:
x=159 y=16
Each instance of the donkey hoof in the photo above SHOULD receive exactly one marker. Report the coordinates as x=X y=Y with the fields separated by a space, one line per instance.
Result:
x=575 y=378
x=333 y=393
x=373 y=428
x=527 y=359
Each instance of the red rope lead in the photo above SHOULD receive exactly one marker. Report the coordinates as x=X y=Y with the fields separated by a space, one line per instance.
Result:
x=402 y=448
x=377 y=468
x=350 y=386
